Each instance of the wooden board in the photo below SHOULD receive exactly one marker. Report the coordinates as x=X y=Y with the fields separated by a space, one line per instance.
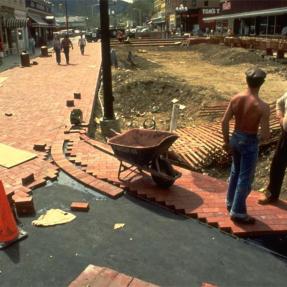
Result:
x=10 y=156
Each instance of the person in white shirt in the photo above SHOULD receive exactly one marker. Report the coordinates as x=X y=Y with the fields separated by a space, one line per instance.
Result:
x=279 y=161
x=82 y=44
x=57 y=49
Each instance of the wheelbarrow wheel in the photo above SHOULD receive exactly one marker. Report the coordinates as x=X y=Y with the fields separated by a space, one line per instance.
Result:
x=166 y=168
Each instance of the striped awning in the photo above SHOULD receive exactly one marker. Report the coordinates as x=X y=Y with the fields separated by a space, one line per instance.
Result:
x=38 y=21
x=15 y=22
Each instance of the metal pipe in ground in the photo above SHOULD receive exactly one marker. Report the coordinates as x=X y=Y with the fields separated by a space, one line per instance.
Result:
x=174 y=117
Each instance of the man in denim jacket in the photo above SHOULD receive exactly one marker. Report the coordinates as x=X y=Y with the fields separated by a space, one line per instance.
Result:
x=279 y=161
x=250 y=112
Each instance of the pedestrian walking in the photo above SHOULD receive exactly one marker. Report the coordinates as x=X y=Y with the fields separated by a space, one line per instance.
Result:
x=82 y=44
x=250 y=112
x=65 y=46
x=57 y=48
x=114 y=58
x=279 y=161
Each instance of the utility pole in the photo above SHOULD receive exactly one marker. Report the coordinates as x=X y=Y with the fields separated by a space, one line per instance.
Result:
x=67 y=19
x=106 y=61
x=109 y=122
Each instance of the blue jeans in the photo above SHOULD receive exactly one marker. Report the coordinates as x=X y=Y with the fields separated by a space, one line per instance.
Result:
x=244 y=157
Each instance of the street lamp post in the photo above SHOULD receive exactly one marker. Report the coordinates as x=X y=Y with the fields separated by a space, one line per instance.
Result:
x=180 y=9
x=67 y=19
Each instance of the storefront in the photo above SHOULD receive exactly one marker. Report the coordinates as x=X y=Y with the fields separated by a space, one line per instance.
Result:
x=40 y=29
x=191 y=20
x=251 y=23
x=40 y=24
x=13 y=31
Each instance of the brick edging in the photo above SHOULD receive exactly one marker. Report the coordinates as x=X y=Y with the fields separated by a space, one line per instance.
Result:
x=81 y=176
x=98 y=145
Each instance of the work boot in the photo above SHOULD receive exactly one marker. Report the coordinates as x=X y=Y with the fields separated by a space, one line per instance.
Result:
x=267 y=198
x=243 y=220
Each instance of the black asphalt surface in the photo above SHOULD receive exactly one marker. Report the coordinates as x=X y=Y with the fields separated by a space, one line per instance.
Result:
x=155 y=245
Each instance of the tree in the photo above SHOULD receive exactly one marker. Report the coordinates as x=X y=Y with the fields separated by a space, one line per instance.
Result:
x=141 y=10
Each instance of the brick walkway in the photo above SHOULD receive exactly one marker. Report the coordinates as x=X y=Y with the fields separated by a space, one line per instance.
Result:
x=97 y=276
x=36 y=96
x=194 y=195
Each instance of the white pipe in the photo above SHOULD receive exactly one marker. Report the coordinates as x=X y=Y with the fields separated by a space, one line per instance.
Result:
x=174 y=117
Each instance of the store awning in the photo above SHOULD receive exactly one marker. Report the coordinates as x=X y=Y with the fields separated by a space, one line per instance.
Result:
x=38 y=21
x=266 y=12
x=15 y=22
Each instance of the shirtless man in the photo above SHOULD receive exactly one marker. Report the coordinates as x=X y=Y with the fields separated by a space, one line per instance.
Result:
x=250 y=112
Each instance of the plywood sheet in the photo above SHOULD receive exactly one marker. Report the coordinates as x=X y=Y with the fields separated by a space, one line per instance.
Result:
x=10 y=156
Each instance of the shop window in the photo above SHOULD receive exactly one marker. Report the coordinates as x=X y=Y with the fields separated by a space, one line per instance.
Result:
x=205 y=3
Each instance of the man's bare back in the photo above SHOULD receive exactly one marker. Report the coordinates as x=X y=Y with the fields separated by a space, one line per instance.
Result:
x=248 y=110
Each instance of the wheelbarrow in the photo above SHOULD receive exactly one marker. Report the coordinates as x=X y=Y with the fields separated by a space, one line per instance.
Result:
x=146 y=151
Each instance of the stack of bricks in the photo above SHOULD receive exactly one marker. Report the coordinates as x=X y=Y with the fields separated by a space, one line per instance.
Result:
x=24 y=204
x=22 y=199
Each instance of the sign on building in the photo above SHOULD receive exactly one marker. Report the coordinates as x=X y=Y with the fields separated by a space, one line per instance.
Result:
x=226 y=5
x=210 y=11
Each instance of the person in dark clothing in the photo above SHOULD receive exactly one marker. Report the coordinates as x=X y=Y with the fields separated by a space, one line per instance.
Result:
x=57 y=49
x=65 y=46
x=279 y=161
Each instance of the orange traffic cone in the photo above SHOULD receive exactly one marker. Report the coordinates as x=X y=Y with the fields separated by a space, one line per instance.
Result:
x=9 y=232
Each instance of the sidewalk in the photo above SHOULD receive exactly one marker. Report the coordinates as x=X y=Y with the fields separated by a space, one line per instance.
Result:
x=12 y=61
x=37 y=97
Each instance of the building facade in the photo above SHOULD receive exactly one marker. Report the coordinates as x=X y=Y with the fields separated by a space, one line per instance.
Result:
x=22 y=20
x=185 y=15
x=256 y=17
x=41 y=22
x=13 y=27
x=158 y=19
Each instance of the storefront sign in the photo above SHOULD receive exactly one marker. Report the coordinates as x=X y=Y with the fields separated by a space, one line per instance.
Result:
x=226 y=5
x=172 y=19
x=210 y=11
x=42 y=6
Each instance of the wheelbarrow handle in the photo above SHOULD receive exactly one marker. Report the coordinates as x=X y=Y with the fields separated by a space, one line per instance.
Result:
x=115 y=132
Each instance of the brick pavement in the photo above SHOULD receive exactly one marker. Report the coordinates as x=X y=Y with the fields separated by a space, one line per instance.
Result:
x=36 y=97
x=97 y=276
x=100 y=276
x=194 y=195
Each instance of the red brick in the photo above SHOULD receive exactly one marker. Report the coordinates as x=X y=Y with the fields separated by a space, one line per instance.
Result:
x=139 y=283
x=27 y=179
x=208 y=285
x=86 y=277
x=121 y=280
x=70 y=103
x=40 y=147
x=77 y=96
x=80 y=206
